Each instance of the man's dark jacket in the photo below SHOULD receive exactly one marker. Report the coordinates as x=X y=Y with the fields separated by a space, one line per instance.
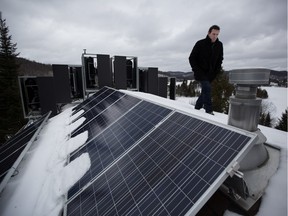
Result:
x=206 y=59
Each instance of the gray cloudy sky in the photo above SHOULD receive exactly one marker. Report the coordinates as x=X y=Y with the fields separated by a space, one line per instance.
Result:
x=161 y=33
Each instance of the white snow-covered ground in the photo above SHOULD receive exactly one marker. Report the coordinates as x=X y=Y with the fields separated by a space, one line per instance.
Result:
x=44 y=178
x=276 y=103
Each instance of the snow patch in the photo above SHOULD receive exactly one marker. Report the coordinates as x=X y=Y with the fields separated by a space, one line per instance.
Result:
x=58 y=183
x=76 y=115
x=72 y=127
x=74 y=143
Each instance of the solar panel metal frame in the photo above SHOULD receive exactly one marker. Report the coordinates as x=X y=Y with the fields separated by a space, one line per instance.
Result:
x=20 y=157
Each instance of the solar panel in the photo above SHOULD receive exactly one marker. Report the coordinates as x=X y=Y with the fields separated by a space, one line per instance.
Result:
x=173 y=170
x=119 y=137
x=12 y=149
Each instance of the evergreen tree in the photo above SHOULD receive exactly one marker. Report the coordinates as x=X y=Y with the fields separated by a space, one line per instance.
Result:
x=191 y=90
x=265 y=119
x=262 y=119
x=221 y=91
x=262 y=93
x=184 y=88
x=268 y=120
x=11 y=116
x=282 y=125
x=178 y=90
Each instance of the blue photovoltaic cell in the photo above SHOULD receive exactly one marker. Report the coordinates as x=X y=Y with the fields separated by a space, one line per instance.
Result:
x=90 y=102
x=10 y=151
x=98 y=120
x=100 y=106
x=116 y=139
x=166 y=173
x=100 y=103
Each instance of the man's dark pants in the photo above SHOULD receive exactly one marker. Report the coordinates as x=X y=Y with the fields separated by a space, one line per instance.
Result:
x=204 y=100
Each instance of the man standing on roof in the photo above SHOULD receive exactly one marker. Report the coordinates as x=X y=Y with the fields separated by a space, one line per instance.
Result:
x=206 y=59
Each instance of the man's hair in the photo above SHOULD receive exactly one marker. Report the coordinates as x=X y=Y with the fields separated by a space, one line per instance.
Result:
x=216 y=27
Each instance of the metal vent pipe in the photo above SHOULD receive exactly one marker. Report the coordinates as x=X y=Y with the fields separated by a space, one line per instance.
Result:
x=244 y=111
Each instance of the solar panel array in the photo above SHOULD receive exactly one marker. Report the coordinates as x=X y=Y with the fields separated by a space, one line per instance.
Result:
x=151 y=160
x=11 y=150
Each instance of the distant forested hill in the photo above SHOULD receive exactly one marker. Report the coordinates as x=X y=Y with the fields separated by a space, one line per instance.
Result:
x=32 y=68
x=275 y=76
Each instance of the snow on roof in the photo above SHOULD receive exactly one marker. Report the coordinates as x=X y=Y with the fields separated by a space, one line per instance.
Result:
x=44 y=178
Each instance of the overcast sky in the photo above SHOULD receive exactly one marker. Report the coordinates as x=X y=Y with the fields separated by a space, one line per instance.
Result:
x=161 y=33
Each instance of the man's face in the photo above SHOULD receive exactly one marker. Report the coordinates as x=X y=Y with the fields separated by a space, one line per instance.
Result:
x=213 y=35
